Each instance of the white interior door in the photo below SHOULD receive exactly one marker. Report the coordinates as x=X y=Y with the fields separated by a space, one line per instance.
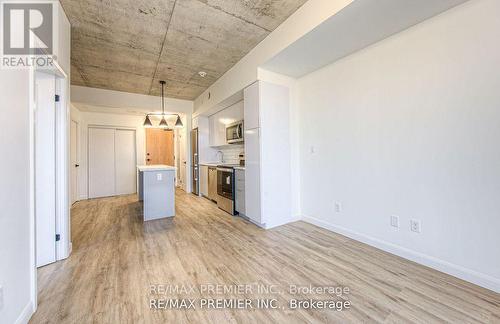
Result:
x=74 y=161
x=45 y=169
x=125 y=162
x=182 y=154
x=101 y=154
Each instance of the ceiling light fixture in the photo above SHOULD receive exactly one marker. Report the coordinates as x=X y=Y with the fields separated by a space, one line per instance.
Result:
x=163 y=121
x=147 y=122
x=178 y=123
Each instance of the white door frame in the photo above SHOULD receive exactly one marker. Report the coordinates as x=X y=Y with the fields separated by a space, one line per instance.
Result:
x=45 y=168
x=77 y=158
x=63 y=247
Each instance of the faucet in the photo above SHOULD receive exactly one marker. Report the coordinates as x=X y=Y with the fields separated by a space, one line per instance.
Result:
x=221 y=156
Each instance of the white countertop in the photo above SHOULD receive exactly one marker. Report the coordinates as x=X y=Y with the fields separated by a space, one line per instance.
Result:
x=212 y=164
x=156 y=167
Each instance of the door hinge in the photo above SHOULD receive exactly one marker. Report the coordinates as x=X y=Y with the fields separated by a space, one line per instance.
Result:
x=57 y=98
x=58 y=237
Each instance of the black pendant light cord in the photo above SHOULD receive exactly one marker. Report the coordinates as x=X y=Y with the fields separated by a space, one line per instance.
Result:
x=162 y=98
x=147 y=121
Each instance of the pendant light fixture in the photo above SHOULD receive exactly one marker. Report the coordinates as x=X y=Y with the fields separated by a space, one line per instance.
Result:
x=147 y=122
x=178 y=123
x=163 y=121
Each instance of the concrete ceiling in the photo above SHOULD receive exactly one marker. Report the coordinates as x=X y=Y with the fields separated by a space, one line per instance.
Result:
x=129 y=45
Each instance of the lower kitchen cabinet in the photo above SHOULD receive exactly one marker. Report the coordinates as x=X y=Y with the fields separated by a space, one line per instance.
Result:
x=212 y=183
x=240 y=191
x=204 y=180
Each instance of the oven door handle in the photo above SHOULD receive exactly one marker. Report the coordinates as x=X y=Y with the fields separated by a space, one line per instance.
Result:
x=225 y=170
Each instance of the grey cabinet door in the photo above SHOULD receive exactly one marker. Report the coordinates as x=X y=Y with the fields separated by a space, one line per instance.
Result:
x=240 y=191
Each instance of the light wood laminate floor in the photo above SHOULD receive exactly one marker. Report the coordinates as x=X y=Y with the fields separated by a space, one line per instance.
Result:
x=116 y=257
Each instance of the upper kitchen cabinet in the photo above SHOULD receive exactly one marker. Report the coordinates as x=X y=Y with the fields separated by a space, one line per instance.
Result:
x=251 y=99
x=220 y=120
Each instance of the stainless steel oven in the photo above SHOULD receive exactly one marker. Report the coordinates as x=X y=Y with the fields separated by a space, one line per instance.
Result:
x=225 y=189
x=234 y=133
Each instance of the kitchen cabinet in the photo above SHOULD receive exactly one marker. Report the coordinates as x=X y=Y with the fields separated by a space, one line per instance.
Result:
x=212 y=183
x=267 y=154
x=204 y=180
x=240 y=191
x=252 y=174
x=219 y=121
x=251 y=106
x=217 y=131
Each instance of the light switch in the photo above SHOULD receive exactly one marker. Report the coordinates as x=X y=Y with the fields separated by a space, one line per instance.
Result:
x=158 y=176
x=395 y=221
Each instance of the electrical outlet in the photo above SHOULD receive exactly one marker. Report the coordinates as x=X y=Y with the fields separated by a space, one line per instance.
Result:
x=415 y=225
x=395 y=221
x=1 y=297
x=337 y=206
x=158 y=176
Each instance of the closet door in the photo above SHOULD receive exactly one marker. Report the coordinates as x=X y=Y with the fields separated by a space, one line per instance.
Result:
x=125 y=162
x=101 y=162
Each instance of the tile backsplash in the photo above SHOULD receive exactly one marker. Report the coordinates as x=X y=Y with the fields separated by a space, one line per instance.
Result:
x=231 y=153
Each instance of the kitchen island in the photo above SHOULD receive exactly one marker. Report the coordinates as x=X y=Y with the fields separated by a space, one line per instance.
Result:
x=157 y=190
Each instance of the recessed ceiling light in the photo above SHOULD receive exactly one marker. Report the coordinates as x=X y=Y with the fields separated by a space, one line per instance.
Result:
x=202 y=74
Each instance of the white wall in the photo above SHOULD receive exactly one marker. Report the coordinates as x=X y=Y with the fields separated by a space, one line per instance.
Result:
x=410 y=127
x=124 y=101
x=86 y=119
x=244 y=73
x=15 y=196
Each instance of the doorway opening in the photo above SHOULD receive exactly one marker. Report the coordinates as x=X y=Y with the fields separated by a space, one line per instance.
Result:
x=50 y=222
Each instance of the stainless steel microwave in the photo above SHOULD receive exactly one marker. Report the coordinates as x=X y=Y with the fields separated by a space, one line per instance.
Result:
x=234 y=133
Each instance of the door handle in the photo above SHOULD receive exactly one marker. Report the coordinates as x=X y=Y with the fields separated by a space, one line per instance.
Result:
x=77 y=165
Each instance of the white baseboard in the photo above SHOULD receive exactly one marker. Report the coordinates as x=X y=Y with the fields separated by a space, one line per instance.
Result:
x=455 y=270
x=273 y=225
x=26 y=314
